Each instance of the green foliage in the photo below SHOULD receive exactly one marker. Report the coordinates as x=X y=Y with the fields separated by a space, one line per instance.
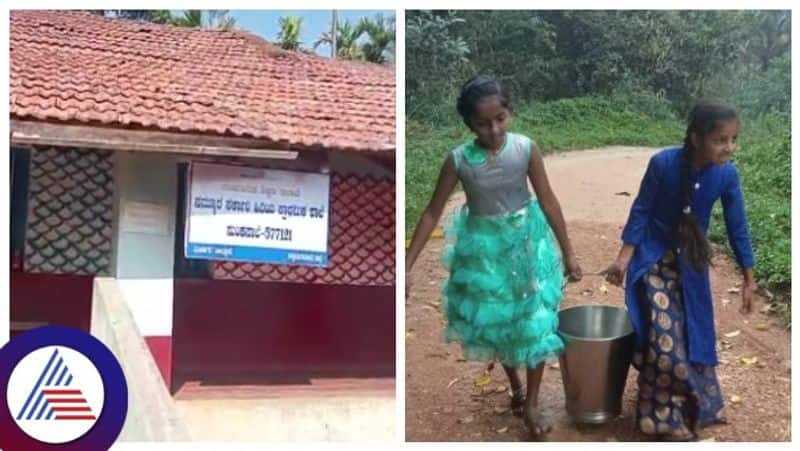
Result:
x=546 y=55
x=213 y=19
x=291 y=27
x=379 y=31
x=347 y=36
x=436 y=62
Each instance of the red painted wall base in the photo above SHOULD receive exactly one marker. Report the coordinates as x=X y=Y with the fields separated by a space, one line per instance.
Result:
x=161 y=349
x=55 y=299
x=258 y=328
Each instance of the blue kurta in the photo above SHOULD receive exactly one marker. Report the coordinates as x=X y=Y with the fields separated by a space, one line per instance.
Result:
x=652 y=229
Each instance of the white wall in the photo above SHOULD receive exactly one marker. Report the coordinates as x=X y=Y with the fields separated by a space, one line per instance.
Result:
x=145 y=202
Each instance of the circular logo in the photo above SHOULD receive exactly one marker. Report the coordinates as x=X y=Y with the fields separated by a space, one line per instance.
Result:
x=64 y=390
x=55 y=384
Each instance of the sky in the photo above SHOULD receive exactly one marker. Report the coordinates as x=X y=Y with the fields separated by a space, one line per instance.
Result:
x=315 y=22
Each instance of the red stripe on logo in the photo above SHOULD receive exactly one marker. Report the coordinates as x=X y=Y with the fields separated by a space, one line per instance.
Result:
x=61 y=392
x=75 y=417
x=72 y=409
x=70 y=400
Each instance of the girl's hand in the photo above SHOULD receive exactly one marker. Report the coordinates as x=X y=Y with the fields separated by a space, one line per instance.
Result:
x=749 y=289
x=572 y=268
x=615 y=273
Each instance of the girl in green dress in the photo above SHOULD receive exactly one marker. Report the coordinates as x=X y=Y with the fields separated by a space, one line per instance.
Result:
x=504 y=248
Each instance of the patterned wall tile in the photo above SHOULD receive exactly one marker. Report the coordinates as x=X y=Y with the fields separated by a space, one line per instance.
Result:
x=70 y=210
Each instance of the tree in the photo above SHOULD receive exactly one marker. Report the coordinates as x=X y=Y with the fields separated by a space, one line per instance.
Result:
x=381 y=34
x=346 y=41
x=289 y=34
x=147 y=15
x=213 y=19
x=436 y=55
x=769 y=37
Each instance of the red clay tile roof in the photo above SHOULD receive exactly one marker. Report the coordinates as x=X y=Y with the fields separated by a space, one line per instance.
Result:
x=78 y=67
x=362 y=238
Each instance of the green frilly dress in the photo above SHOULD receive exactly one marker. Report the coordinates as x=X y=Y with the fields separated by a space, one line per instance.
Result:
x=506 y=278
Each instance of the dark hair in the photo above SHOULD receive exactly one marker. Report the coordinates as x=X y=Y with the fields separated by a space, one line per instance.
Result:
x=705 y=117
x=475 y=89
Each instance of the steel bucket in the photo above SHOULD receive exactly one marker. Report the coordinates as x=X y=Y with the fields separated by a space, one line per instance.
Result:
x=594 y=366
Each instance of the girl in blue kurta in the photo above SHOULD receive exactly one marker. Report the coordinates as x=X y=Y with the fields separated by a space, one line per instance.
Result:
x=666 y=256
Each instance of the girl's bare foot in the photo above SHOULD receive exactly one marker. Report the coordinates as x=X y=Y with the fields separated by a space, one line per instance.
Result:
x=536 y=424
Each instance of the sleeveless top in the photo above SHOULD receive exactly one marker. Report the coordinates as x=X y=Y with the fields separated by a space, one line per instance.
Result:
x=497 y=184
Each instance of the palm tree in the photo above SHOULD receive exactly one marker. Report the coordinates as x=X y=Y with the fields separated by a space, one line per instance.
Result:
x=212 y=19
x=346 y=41
x=218 y=19
x=289 y=34
x=380 y=45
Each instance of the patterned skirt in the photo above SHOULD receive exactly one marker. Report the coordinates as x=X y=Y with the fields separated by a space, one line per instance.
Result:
x=676 y=396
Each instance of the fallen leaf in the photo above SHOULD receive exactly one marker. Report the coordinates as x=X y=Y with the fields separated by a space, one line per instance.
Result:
x=452 y=382
x=437 y=233
x=586 y=292
x=603 y=289
x=502 y=430
x=409 y=335
x=500 y=410
x=725 y=301
x=435 y=305
x=761 y=326
x=501 y=389
x=736 y=399
x=467 y=419
x=748 y=361
x=408 y=243
x=483 y=380
x=487 y=390
x=554 y=366
x=735 y=333
x=733 y=290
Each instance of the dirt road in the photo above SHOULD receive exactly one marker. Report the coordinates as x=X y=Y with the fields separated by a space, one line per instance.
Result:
x=443 y=402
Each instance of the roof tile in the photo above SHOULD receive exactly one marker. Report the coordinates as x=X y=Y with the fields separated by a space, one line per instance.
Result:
x=181 y=79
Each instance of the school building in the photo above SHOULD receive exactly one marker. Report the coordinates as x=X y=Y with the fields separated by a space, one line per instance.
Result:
x=221 y=205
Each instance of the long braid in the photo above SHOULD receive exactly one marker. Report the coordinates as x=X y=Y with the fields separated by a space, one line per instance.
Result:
x=702 y=119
